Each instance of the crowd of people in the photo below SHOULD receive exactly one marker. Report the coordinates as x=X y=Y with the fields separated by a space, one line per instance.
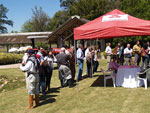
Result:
x=38 y=64
x=124 y=55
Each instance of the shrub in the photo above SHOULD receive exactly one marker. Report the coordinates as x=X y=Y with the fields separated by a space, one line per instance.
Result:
x=9 y=58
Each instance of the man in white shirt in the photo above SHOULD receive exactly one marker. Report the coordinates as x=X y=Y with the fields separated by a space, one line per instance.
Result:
x=128 y=54
x=32 y=78
x=108 y=52
x=80 y=57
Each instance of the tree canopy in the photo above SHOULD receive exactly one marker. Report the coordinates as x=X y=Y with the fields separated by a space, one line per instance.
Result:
x=4 y=19
x=38 y=22
x=91 y=9
x=59 y=18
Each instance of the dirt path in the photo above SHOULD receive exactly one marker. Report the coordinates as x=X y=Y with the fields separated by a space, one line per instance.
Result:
x=10 y=66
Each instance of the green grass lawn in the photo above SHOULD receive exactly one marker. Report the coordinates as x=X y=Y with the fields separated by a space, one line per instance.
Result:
x=89 y=96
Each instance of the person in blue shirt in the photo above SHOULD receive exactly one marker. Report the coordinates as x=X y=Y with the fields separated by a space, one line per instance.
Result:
x=80 y=57
x=121 y=53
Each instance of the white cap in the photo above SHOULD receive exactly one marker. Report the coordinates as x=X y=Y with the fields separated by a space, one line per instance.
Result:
x=63 y=49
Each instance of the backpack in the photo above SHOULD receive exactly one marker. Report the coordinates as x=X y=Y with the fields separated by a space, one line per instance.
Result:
x=35 y=61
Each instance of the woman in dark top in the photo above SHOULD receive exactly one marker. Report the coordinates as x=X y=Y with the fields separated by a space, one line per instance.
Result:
x=144 y=54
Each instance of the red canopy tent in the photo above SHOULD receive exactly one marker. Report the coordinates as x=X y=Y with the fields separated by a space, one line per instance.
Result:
x=113 y=24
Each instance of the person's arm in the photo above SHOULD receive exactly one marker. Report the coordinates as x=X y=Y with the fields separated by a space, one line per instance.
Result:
x=78 y=54
x=27 y=67
x=125 y=51
x=146 y=51
x=54 y=58
x=131 y=51
x=106 y=50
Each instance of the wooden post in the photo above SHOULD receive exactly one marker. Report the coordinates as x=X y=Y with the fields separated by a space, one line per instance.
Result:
x=69 y=43
x=7 y=47
x=33 y=44
x=50 y=44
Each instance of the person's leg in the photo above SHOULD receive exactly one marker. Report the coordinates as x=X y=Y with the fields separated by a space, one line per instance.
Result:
x=70 y=83
x=48 y=82
x=143 y=60
x=126 y=61
x=122 y=59
x=90 y=72
x=108 y=58
x=30 y=95
x=94 y=66
x=31 y=89
x=80 y=69
x=138 y=60
x=37 y=94
x=61 y=76
x=51 y=72
x=86 y=68
x=97 y=65
x=146 y=61
x=73 y=73
x=43 y=87
x=62 y=83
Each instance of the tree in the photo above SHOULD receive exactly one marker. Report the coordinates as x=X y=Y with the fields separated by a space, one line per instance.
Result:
x=14 y=31
x=91 y=9
x=27 y=26
x=38 y=22
x=59 y=18
x=4 y=19
x=67 y=3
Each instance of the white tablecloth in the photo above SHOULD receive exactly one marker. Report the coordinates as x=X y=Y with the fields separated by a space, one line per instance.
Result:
x=126 y=77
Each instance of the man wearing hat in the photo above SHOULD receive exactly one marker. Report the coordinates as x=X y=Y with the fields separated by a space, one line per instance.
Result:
x=32 y=77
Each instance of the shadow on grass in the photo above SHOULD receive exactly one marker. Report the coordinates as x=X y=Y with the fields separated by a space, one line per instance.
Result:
x=47 y=101
x=54 y=90
x=99 y=82
x=49 y=98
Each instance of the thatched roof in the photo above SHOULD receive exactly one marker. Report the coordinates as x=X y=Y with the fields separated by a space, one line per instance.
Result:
x=66 y=29
x=21 y=38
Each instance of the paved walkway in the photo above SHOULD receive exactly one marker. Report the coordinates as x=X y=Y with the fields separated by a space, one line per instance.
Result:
x=10 y=66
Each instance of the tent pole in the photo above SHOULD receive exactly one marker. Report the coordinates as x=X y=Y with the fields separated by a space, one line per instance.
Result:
x=75 y=59
x=91 y=60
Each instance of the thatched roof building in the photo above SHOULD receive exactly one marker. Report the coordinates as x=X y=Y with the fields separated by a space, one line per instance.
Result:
x=65 y=31
x=21 y=38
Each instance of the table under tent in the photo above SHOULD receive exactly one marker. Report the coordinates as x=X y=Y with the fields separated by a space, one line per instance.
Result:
x=112 y=25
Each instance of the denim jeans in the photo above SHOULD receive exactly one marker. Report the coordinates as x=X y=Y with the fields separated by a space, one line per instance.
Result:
x=89 y=67
x=148 y=59
x=80 y=61
x=96 y=64
x=42 y=85
x=144 y=61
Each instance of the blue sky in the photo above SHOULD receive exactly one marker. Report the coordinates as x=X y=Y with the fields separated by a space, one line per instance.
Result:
x=21 y=10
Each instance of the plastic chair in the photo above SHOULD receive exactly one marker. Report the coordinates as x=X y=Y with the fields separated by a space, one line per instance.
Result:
x=147 y=72
x=112 y=75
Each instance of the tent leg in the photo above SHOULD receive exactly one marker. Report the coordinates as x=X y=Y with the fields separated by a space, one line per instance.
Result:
x=75 y=60
x=91 y=61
